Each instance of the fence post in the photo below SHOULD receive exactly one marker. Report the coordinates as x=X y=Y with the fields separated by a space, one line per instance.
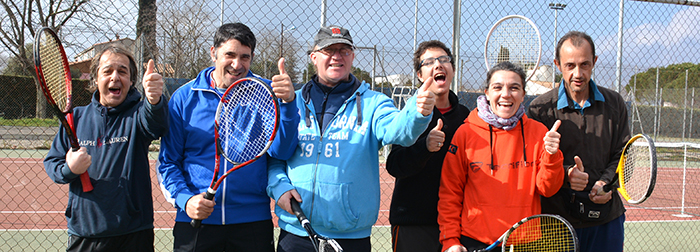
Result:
x=685 y=103
x=656 y=106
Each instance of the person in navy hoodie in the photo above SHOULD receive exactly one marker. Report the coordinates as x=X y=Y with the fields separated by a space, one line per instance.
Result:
x=239 y=218
x=334 y=172
x=114 y=132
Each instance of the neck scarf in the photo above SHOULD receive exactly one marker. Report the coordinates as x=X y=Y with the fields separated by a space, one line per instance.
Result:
x=489 y=117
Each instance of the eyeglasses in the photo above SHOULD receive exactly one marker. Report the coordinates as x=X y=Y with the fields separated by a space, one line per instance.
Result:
x=345 y=51
x=444 y=59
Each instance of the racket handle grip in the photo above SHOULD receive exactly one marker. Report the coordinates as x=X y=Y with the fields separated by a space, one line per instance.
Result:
x=608 y=187
x=85 y=180
x=296 y=208
x=208 y=195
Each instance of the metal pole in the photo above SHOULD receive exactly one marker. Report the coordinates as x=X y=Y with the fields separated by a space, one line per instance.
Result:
x=323 y=12
x=634 y=96
x=656 y=106
x=692 y=109
x=554 y=71
x=374 y=63
x=556 y=7
x=685 y=104
x=415 y=34
x=618 y=71
x=455 y=38
x=281 y=39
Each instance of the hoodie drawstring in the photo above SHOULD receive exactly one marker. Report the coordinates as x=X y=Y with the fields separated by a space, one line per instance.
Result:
x=522 y=133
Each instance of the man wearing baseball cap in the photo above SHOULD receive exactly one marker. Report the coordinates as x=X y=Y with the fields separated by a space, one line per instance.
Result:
x=334 y=172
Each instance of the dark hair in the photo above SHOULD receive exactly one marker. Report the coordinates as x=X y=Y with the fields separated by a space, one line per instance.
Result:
x=114 y=49
x=424 y=46
x=577 y=38
x=505 y=66
x=237 y=31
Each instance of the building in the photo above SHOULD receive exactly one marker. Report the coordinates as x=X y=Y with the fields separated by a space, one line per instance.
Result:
x=84 y=58
x=541 y=81
x=394 y=79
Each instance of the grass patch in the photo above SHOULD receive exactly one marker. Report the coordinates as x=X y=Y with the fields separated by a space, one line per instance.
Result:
x=52 y=122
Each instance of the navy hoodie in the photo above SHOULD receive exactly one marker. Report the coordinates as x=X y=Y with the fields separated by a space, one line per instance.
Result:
x=117 y=139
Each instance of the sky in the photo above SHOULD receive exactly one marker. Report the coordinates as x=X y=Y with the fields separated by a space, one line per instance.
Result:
x=655 y=34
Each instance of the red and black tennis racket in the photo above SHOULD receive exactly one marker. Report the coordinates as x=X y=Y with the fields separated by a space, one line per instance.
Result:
x=53 y=72
x=245 y=125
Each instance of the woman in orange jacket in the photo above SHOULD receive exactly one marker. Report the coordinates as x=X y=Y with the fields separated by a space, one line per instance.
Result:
x=498 y=165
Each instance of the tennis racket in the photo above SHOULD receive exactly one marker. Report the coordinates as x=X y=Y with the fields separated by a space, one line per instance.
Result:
x=320 y=242
x=516 y=39
x=542 y=232
x=53 y=72
x=245 y=125
x=636 y=171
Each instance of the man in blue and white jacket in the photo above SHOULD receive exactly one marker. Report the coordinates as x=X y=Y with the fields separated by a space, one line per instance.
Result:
x=334 y=171
x=239 y=218
x=114 y=132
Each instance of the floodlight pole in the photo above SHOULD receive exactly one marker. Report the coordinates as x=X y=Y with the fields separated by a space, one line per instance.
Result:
x=282 y=38
x=556 y=7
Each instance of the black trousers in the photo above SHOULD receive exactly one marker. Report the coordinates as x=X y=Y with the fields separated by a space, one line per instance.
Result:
x=253 y=237
x=289 y=242
x=409 y=238
x=141 y=241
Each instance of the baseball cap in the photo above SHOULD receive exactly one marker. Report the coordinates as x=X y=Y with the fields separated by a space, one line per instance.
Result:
x=329 y=35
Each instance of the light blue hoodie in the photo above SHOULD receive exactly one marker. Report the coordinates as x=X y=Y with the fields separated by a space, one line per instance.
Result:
x=337 y=173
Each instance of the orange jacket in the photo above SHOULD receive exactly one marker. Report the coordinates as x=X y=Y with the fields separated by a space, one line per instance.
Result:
x=482 y=203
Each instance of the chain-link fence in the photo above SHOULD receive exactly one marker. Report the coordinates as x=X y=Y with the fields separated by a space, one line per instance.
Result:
x=655 y=59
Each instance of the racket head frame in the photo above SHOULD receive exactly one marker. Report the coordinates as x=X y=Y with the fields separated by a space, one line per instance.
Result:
x=570 y=231
x=39 y=69
x=222 y=104
x=539 y=42
x=620 y=178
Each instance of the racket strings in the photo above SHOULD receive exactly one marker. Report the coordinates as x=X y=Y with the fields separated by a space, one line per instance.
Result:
x=541 y=234
x=636 y=175
x=514 y=40
x=245 y=121
x=53 y=69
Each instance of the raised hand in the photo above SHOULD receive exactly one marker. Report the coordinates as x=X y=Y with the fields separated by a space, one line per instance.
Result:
x=435 y=138
x=426 y=99
x=552 y=138
x=577 y=177
x=152 y=84
x=282 y=85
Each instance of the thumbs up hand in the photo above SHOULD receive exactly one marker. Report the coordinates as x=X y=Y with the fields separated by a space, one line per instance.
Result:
x=577 y=177
x=282 y=84
x=551 y=139
x=152 y=84
x=426 y=99
x=435 y=138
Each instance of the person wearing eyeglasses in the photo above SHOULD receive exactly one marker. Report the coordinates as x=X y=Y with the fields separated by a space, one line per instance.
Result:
x=417 y=168
x=334 y=171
